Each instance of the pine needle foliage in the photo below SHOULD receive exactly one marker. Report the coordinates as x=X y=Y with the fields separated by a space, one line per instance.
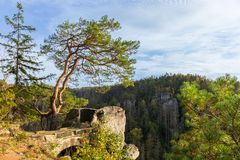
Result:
x=20 y=59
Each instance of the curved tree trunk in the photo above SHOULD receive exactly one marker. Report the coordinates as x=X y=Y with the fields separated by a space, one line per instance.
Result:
x=52 y=115
x=56 y=100
x=59 y=81
x=64 y=85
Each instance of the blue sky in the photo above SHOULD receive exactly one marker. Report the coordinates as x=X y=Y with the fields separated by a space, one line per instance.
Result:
x=177 y=36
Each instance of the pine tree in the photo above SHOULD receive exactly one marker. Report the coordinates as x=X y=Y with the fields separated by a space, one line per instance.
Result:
x=20 y=60
x=212 y=118
x=87 y=48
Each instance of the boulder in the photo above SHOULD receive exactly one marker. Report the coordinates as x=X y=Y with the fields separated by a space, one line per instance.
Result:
x=112 y=118
x=131 y=151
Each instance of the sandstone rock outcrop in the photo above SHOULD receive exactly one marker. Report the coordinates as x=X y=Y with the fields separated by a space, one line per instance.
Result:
x=112 y=118
x=79 y=117
x=83 y=120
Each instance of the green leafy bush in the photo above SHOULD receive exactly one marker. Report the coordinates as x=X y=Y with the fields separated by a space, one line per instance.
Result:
x=6 y=99
x=103 y=145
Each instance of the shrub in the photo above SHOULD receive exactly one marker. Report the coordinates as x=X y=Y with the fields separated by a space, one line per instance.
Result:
x=103 y=145
x=6 y=99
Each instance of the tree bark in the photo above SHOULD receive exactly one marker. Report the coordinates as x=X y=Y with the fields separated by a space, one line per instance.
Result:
x=53 y=117
x=59 y=81
x=64 y=86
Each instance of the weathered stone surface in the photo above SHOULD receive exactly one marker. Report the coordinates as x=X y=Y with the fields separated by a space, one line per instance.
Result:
x=49 y=137
x=132 y=151
x=53 y=136
x=65 y=134
x=63 y=138
x=79 y=117
x=170 y=117
x=64 y=143
x=111 y=117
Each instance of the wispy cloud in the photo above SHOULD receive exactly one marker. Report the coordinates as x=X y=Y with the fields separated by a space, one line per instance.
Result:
x=179 y=36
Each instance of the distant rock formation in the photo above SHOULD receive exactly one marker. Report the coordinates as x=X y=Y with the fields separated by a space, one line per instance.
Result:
x=170 y=114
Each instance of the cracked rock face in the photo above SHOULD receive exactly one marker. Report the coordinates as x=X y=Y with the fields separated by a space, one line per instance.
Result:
x=81 y=120
x=79 y=117
x=111 y=117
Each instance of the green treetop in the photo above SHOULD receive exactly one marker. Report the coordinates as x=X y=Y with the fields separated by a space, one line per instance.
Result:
x=87 y=48
x=213 y=120
x=20 y=60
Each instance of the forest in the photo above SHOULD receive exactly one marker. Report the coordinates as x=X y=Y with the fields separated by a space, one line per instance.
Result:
x=171 y=116
x=203 y=124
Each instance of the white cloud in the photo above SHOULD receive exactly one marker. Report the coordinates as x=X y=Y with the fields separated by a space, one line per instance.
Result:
x=187 y=36
x=205 y=40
